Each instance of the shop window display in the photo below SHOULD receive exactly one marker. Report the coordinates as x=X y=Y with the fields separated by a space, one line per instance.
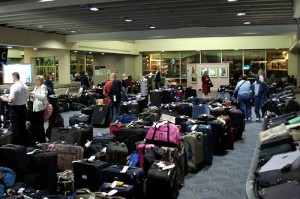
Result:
x=44 y=65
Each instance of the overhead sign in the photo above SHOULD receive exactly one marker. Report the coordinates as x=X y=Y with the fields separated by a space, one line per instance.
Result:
x=3 y=55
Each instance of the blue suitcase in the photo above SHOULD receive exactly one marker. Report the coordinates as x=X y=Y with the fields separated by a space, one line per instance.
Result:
x=199 y=110
x=126 y=118
x=208 y=141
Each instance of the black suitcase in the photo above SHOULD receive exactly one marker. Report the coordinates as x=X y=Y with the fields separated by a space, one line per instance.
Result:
x=124 y=108
x=63 y=98
x=132 y=176
x=41 y=170
x=237 y=119
x=84 y=134
x=219 y=138
x=88 y=110
x=87 y=99
x=87 y=174
x=100 y=116
x=161 y=184
x=218 y=111
x=65 y=106
x=190 y=92
x=288 y=139
x=6 y=137
x=289 y=189
x=77 y=119
x=143 y=103
x=275 y=121
x=116 y=153
x=125 y=190
x=185 y=109
x=133 y=108
x=64 y=134
x=13 y=157
x=167 y=96
x=97 y=144
x=155 y=98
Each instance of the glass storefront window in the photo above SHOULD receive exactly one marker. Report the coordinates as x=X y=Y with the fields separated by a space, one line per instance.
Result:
x=277 y=62
x=188 y=57
x=170 y=65
x=235 y=60
x=79 y=63
x=150 y=62
x=45 y=65
x=211 y=56
x=254 y=61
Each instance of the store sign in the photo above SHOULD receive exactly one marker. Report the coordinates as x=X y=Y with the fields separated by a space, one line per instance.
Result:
x=3 y=57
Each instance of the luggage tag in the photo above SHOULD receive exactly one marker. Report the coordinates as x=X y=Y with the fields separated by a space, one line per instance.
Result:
x=91 y=159
x=114 y=98
x=124 y=170
x=194 y=127
x=88 y=144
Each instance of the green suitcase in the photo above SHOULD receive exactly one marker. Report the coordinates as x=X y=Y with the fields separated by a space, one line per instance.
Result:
x=116 y=153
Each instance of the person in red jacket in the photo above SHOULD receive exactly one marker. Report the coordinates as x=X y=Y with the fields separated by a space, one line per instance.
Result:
x=205 y=84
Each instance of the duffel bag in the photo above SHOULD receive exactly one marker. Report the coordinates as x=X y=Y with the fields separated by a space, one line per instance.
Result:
x=164 y=134
x=148 y=116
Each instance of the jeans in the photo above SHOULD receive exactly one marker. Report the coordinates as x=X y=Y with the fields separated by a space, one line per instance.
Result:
x=258 y=103
x=244 y=101
x=114 y=110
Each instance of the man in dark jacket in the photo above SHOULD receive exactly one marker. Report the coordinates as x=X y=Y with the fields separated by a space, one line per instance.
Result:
x=259 y=90
x=49 y=83
x=84 y=81
x=157 y=78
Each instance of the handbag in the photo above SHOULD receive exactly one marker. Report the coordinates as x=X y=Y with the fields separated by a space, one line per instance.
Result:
x=48 y=111
x=210 y=84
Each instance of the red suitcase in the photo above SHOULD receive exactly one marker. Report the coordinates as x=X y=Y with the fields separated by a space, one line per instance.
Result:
x=230 y=134
x=114 y=127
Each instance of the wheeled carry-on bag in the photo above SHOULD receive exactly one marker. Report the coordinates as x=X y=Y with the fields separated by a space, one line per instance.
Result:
x=88 y=173
x=237 y=119
x=64 y=134
x=100 y=116
x=167 y=96
x=275 y=121
x=155 y=98
x=193 y=143
x=129 y=175
x=6 y=137
x=200 y=110
x=218 y=129
x=161 y=183
x=116 y=153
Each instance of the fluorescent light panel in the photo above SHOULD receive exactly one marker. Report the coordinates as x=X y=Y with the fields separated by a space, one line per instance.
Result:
x=42 y=1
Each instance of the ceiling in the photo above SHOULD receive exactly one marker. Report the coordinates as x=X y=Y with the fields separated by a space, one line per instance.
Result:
x=218 y=16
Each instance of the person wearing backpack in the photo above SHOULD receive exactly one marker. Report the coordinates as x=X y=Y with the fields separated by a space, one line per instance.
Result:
x=113 y=90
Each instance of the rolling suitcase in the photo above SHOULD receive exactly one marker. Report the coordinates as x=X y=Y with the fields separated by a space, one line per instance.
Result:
x=267 y=153
x=155 y=98
x=84 y=134
x=124 y=190
x=88 y=173
x=218 y=129
x=275 y=121
x=161 y=183
x=230 y=133
x=237 y=119
x=64 y=134
x=116 y=153
x=199 y=110
x=13 y=157
x=190 y=92
x=223 y=96
x=88 y=110
x=97 y=144
x=288 y=139
x=41 y=170
x=218 y=111
x=289 y=189
x=6 y=137
x=185 y=109
x=133 y=108
x=100 y=116
x=80 y=119
x=193 y=143
x=167 y=96
x=132 y=176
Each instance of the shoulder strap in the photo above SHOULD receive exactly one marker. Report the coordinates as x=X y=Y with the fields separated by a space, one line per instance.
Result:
x=240 y=86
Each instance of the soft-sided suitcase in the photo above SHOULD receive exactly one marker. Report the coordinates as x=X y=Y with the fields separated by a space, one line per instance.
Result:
x=87 y=173
x=66 y=154
x=185 y=109
x=280 y=168
x=275 y=121
x=6 y=137
x=290 y=189
x=230 y=133
x=13 y=157
x=277 y=141
x=41 y=170
x=124 y=190
x=80 y=119
x=199 y=110
x=193 y=144
x=65 y=106
x=218 y=111
x=133 y=108
x=84 y=134
x=130 y=136
x=100 y=116
x=218 y=129
x=208 y=141
x=88 y=110
x=132 y=176
x=267 y=153
x=116 y=153
x=190 y=92
x=97 y=144
x=167 y=96
x=237 y=121
x=64 y=134
x=155 y=98
x=161 y=184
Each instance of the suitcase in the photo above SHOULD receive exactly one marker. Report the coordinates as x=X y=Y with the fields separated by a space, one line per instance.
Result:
x=66 y=154
x=208 y=141
x=190 y=92
x=63 y=98
x=87 y=194
x=65 y=106
x=267 y=153
x=161 y=184
x=87 y=173
x=155 y=98
x=179 y=94
x=218 y=111
x=132 y=176
x=280 y=168
x=237 y=119
x=84 y=134
x=115 y=126
x=80 y=119
x=64 y=134
x=204 y=119
x=88 y=110
x=13 y=157
x=223 y=96
x=278 y=140
x=100 y=116
x=199 y=110
x=87 y=99
x=124 y=190
x=218 y=129
x=124 y=108
x=126 y=118
x=290 y=189
x=41 y=170
x=6 y=137
x=193 y=144
x=116 y=153
x=230 y=133
x=74 y=106
x=149 y=117
x=97 y=144
x=142 y=149
x=294 y=121
x=143 y=103
x=133 y=108
x=275 y=121
x=167 y=96
x=130 y=136
x=185 y=109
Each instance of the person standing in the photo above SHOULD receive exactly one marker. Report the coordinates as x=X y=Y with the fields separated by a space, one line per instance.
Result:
x=205 y=84
x=39 y=98
x=84 y=80
x=130 y=84
x=157 y=78
x=17 y=98
x=259 y=89
x=243 y=96
x=49 y=84
x=113 y=89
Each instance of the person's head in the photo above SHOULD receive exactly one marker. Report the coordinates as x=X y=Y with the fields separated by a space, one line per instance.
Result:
x=15 y=76
x=39 y=80
x=205 y=73
x=292 y=76
x=113 y=76
x=124 y=76
x=244 y=77
x=256 y=78
x=130 y=77
x=82 y=73
x=51 y=75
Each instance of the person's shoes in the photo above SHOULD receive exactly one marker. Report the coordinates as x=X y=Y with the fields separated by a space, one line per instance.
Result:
x=258 y=120
x=249 y=118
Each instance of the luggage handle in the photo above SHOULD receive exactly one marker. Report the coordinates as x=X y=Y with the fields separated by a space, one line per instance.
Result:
x=156 y=128
x=63 y=130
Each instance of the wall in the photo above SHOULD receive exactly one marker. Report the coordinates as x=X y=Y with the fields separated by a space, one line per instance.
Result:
x=130 y=66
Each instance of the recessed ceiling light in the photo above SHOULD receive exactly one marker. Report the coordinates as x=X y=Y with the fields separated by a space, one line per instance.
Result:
x=241 y=14
x=232 y=0
x=247 y=22
x=127 y=20
x=152 y=27
x=45 y=1
x=9 y=46
x=40 y=26
x=90 y=52
x=102 y=53
x=94 y=9
x=73 y=31
x=75 y=51
x=34 y=48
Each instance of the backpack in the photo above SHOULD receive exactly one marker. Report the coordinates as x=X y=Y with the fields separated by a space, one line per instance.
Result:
x=115 y=92
x=7 y=179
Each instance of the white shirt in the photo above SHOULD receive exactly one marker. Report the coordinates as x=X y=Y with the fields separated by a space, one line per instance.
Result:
x=39 y=98
x=18 y=93
x=256 y=88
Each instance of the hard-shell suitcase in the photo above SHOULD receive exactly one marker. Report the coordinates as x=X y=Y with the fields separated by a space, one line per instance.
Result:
x=6 y=137
x=155 y=98
x=125 y=190
x=230 y=133
x=66 y=154
x=277 y=141
x=13 y=157
x=193 y=143
x=280 y=168
x=185 y=109
x=237 y=119
x=161 y=184
x=100 y=116
x=267 y=153
x=131 y=176
x=64 y=134
x=290 y=189
x=218 y=129
x=80 y=119
x=116 y=153
x=41 y=170
x=199 y=110
x=88 y=173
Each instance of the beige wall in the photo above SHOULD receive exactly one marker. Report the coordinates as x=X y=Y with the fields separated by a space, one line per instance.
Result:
x=130 y=66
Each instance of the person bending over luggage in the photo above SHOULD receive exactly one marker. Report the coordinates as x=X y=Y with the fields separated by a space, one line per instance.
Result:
x=205 y=80
x=243 y=96
x=39 y=98
x=113 y=89
x=259 y=90
x=18 y=95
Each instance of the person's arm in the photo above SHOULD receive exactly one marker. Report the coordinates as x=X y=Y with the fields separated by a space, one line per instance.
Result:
x=41 y=95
